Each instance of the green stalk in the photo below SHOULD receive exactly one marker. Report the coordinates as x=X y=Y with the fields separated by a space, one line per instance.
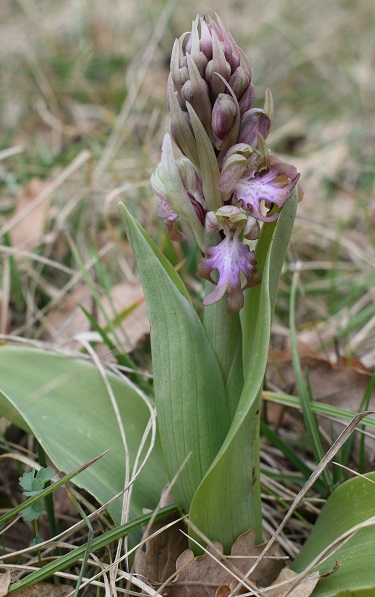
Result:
x=223 y=330
x=48 y=500
x=274 y=239
x=228 y=500
x=249 y=319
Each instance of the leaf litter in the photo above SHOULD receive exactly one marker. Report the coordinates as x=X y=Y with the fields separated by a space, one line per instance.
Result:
x=176 y=574
x=342 y=385
x=40 y=589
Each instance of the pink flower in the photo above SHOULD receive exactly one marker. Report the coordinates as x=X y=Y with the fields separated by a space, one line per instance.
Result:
x=231 y=257
x=249 y=176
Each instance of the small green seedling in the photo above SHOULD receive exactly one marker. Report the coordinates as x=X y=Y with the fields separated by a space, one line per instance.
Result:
x=33 y=483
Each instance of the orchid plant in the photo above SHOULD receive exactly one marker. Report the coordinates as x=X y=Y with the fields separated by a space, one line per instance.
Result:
x=240 y=203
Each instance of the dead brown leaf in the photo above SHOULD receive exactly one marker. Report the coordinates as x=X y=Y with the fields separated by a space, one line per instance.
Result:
x=158 y=562
x=342 y=386
x=30 y=224
x=4 y=583
x=303 y=589
x=69 y=320
x=205 y=577
x=42 y=589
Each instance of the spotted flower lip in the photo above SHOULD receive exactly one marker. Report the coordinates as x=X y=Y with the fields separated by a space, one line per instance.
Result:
x=273 y=186
x=229 y=258
x=246 y=185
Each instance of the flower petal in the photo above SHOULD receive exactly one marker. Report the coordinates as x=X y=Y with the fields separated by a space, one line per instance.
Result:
x=273 y=185
x=229 y=258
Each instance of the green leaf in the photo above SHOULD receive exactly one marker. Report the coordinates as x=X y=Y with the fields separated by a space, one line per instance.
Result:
x=227 y=501
x=350 y=504
x=166 y=265
x=224 y=505
x=224 y=331
x=32 y=512
x=26 y=481
x=45 y=474
x=34 y=484
x=280 y=243
x=65 y=403
x=327 y=410
x=189 y=389
x=47 y=491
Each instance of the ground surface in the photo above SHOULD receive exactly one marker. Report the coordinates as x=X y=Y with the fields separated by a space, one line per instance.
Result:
x=83 y=112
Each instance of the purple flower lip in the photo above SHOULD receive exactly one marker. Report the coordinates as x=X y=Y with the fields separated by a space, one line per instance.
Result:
x=250 y=176
x=273 y=186
x=229 y=259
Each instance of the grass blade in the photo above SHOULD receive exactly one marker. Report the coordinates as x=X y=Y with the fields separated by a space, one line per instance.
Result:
x=76 y=554
x=305 y=393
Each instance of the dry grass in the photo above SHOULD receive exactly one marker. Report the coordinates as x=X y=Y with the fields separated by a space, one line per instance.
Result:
x=83 y=111
x=78 y=78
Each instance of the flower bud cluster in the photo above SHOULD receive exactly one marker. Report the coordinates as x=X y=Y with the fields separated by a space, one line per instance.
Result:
x=227 y=178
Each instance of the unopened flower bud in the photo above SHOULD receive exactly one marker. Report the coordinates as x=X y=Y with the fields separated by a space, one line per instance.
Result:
x=212 y=224
x=233 y=60
x=247 y=99
x=239 y=82
x=231 y=50
x=193 y=186
x=252 y=122
x=223 y=115
x=227 y=182
x=216 y=84
x=168 y=184
x=206 y=40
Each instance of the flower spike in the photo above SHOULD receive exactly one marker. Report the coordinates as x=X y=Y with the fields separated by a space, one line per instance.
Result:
x=227 y=182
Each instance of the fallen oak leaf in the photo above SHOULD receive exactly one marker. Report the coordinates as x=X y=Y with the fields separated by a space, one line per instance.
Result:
x=225 y=591
x=211 y=574
x=341 y=386
x=158 y=562
x=287 y=577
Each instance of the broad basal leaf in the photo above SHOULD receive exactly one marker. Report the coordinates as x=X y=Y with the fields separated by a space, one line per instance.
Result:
x=65 y=403
x=349 y=505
